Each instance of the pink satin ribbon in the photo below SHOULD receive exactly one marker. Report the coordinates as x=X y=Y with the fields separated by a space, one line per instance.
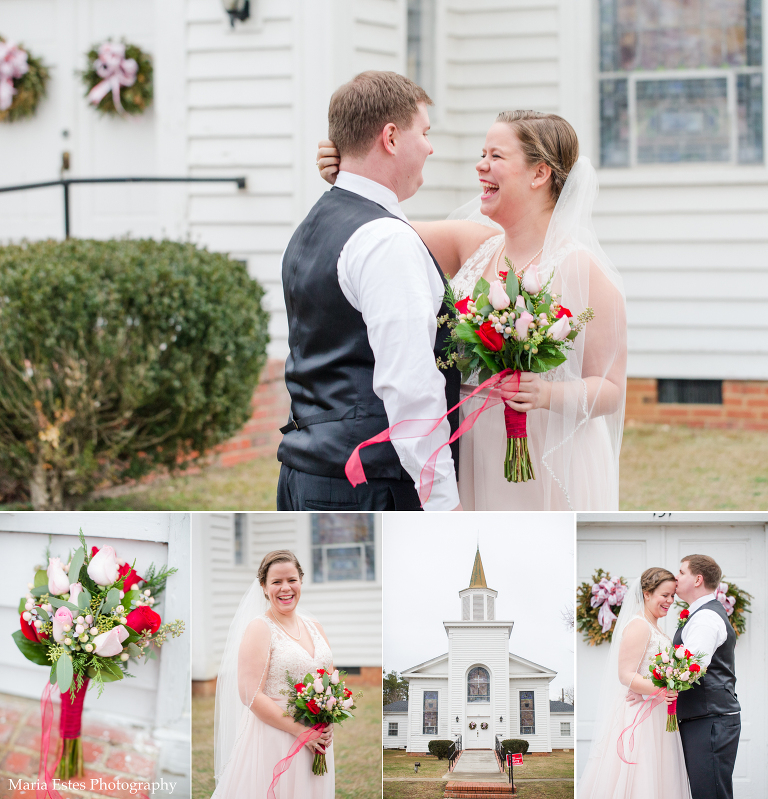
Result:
x=284 y=764
x=116 y=70
x=45 y=777
x=420 y=428
x=655 y=699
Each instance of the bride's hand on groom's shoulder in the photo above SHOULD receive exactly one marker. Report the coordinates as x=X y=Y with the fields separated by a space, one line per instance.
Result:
x=532 y=393
x=327 y=160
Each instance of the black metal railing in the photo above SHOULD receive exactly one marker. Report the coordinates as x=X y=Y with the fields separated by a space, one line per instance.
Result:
x=455 y=751
x=500 y=752
x=65 y=183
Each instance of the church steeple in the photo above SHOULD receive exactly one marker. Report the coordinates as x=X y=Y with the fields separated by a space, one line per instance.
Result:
x=478 y=601
x=478 y=575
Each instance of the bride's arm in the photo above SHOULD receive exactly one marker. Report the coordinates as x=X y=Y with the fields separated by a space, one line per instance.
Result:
x=252 y=667
x=631 y=655
x=451 y=242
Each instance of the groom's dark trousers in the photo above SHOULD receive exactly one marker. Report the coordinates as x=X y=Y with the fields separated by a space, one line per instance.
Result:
x=710 y=721
x=329 y=374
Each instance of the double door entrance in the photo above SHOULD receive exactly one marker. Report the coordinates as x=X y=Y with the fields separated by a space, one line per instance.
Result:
x=479 y=738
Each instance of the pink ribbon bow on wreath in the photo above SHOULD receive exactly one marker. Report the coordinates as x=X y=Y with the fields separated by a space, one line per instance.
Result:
x=13 y=64
x=605 y=594
x=116 y=70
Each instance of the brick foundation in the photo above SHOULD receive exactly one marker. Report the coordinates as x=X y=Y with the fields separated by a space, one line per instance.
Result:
x=745 y=407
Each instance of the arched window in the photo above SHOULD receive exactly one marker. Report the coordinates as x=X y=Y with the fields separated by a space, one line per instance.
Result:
x=478 y=685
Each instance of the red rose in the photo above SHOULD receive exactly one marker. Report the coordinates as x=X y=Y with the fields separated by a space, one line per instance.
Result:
x=299 y=687
x=312 y=707
x=29 y=631
x=684 y=614
x=688 y=654
x=461 y=305
x=564 y=312
x=144 y=618
x=321 y=672
x=490 y=337
x=695 y=668
x=656 y=674
x=347 y=693
x=503 y=274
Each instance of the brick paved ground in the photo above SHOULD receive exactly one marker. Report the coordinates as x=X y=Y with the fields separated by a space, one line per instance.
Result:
x=112 y=754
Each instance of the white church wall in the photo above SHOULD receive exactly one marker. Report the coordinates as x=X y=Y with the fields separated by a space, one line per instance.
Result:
x=349 y=611
x=540 y=741
x=558 y=739
x=400 y=740
x=627 y=544
x=417 y=740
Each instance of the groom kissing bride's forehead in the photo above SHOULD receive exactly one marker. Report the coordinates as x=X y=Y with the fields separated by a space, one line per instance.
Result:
x=363 y=295
x=709 y=713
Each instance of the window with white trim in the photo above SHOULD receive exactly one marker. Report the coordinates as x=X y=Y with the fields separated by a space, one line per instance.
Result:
x=392 y=728
x=343 y=547
x=527 y=713
x=239 y=539
x=681 y=81
x=420 y=56
x=478 y=685
x=430 y=713
x=565 y=729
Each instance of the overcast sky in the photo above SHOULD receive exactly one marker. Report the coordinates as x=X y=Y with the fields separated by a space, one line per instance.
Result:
x=527 y=557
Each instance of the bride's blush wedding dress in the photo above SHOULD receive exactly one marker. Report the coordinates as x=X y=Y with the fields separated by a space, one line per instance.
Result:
x=260 y=746
x=659 y=765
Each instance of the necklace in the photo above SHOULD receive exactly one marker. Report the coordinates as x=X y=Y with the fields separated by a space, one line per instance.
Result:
x=518 y=273
x=286 y=631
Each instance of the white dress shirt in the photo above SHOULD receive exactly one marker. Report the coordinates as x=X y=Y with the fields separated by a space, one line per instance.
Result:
x=705 y=632
x=385 y=272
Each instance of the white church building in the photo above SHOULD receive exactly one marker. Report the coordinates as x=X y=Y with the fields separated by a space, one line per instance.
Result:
x=478 y=689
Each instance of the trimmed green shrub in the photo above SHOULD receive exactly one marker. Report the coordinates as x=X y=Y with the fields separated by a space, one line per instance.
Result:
x=121 y=357
x=441 y=749
x=514 y=746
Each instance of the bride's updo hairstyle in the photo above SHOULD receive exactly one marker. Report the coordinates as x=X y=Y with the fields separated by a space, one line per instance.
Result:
x=548 y=138
x=652 y=578
x=277 y=556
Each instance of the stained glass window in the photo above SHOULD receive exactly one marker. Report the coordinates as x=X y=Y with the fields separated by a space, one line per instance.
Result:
x=478 y=685
x=527 y=714
x=343 y=547
x=673 y=73
x=430 y=713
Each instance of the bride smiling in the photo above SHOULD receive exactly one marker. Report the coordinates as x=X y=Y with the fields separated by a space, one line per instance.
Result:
x=252 y=734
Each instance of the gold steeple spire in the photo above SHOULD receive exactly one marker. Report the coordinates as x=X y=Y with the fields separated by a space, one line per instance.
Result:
x=478 y=575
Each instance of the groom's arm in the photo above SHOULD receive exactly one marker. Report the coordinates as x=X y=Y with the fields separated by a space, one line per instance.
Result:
x=386 y=273
x=704 y=633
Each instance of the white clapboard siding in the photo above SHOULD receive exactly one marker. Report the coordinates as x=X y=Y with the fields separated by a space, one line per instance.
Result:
x=627 y=544
x=540 y=741
x=157 y=694
x=400 y=740
x=350 y=612
x=558 y=740
x=417 y=741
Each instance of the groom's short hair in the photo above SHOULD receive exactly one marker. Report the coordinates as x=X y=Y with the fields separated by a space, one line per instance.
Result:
x=360 y=109
x=706 y=567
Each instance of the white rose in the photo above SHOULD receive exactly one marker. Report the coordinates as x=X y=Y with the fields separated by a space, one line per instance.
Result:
x=58 y=582
x=103 y=568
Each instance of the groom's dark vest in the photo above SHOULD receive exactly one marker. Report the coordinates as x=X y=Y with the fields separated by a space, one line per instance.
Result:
x=329 y=371
x=715 y=695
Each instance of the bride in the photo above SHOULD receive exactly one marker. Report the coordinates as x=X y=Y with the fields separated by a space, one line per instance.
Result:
x=251 y=734
x=653 y=762
x=536 y=212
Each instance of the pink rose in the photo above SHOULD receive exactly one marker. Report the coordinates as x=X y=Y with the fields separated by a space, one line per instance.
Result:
x=103 y=568
x=318 y=686
x=330 y=702
x=335 y=677
x=498 y=296
x=58 y=582
x=74 y=592
x=669 y=671
x=520 y=303
x=531 y=282
x=110 y=643
x=61 y=619
x=521 y=325
x=347 y=703
x=561 y=329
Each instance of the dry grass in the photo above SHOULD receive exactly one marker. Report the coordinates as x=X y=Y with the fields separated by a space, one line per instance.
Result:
x=434 y=790
x=357 y=749
x=560 y=764
x=399 y=764
x=680 y=468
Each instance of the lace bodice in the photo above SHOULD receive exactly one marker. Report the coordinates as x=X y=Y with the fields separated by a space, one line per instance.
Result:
x=656 y=643
x=286 y=654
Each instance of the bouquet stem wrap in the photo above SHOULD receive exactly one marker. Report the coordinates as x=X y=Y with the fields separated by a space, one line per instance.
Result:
x=517 y=465
x=672 y=717
x=71 y=764
x=284 y=764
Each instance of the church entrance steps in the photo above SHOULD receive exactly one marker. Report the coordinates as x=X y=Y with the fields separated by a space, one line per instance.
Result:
x=479 y=790
x=477 y=764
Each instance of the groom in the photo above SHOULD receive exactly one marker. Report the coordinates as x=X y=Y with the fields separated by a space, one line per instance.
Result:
x=363 y=296
x=709 y=712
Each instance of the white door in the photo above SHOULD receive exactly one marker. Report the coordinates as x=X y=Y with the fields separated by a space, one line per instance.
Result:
x=738 y=544
x=479 y=738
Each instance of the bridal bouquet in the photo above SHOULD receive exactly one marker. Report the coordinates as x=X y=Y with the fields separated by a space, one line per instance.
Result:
x=678 y=670
x=321 y=699
x=513 y=323
x=85 y=617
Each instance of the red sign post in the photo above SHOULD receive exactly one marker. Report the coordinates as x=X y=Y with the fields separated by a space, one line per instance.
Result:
x=513 y=760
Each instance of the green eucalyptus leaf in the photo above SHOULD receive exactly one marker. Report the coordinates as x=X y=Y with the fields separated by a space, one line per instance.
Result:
x=326 y=680
x=40 y=590
x=112 y=600
x=134 y=650
x=64 y=672
x=466 y=333
x=52 y=678
x=41 y=578
x=129 y=597
x=43 y=615
x=482 y=301
x=36 y=653
x=60 y=603
x=75 y=565
x=84 y=599
x=481 y=287
x=512 y=287
x=22 y=605
x=110 y=672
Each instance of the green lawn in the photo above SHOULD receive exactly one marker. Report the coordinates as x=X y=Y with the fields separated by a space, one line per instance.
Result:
x=357 y=749
x=662 y=468
x=560 y=764
x=399 y=764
